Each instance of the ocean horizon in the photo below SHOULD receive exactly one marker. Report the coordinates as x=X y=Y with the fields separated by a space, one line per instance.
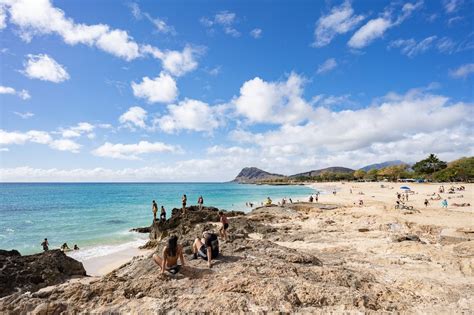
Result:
x=97 y=216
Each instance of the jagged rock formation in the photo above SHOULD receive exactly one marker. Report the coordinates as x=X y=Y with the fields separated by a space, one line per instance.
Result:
x=251 y=175
x=33 y=272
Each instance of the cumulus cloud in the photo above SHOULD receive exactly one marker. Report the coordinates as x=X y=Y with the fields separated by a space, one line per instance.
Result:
x=376 y=28
x=463 y=71
x=44 y=68
x=133 y=151
x=327 y=66
x=191 y=115
x=223 y=19
x=40 y=137
x=272 y=102
x=396 y=127
x=161 y=89
x=339 y=20
x=78 y=130
x=256 y=33
x=3 y=17
x=23 y=94
x=40 y=17
x=134 y=117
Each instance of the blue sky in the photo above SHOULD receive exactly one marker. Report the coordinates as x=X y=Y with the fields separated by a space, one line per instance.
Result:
x=196 y=90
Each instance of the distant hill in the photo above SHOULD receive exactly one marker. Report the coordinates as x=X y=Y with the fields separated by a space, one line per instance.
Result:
x=253 y=174
x=335 y=169
x=379 y=166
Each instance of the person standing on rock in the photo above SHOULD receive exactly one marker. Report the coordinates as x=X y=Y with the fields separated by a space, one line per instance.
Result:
x=154 y=208
x=163 y=214
x=184 y=200
x=225 y=225
x=207 y=247
x=45 y=244
x=171 y=253
x=200 y=202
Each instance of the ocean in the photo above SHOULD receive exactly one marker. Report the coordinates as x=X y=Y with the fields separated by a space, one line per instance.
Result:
x=98 y=216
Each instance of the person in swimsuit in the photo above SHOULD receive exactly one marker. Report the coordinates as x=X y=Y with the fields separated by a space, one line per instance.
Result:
x=200 y=202
x=207 y=247
x=163 y=214
x=76 y=247
x=154 y=208
x=171 y=253
x=64 y=247
x=225 y=225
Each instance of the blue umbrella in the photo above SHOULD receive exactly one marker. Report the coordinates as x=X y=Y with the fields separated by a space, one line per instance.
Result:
x=405 y=188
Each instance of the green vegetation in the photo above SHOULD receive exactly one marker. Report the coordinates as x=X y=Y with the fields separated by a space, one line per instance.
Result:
x=431 y=169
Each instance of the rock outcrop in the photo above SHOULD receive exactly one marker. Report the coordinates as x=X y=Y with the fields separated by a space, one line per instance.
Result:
x=251 y=175
x=33 y=272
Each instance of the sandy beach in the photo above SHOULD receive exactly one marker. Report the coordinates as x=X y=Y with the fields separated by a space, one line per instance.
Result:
x=331 y=256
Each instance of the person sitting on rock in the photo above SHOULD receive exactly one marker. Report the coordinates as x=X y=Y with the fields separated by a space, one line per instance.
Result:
x=45 y=244
x=225 y=225
x=171 y=253
x=163 y=214
x=207 y=247
x=269 y=202
x=64 y=247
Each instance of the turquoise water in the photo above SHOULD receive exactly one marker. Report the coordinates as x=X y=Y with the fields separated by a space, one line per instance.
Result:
x=93 y=215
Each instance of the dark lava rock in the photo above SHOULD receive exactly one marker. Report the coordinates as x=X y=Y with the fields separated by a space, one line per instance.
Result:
x=33 y=272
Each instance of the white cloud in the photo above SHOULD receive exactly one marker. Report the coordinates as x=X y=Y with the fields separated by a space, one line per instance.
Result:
x=78 y=130
x=25 y=115
x=463 y=71
x=160 y=25
x=395 y=127
x=118 y=43
x=452 y=6
x=366 y=34
x=40 y=137
x=377 y=27
x=327 y=66
x=411 y=48
x=134 y=117
x=179 y=63
x=256 y=33
x=340 y=20
x=3 y=17
x=45 y=68
x=161 y=89
x=190 y=115
x=135 y=10
x=65 y=145
x=39 y=17
x=272 y=102
x=23 y=94
x=225 y=20
x=133 y=151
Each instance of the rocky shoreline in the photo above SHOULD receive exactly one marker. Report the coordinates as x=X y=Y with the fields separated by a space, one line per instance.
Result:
x=305 y=258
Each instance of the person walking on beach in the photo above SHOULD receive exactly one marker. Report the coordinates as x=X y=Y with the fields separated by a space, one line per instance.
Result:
x=427 y=203
x=171 y=253
x=207 y=247
x=154 y=208
x=184 y=199
x=45 y=244
x=310 y=198
x=200 y=202
x=163 y=214
x=225 y=225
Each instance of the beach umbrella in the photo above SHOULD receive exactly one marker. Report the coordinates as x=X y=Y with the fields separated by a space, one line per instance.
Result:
x=405 y=188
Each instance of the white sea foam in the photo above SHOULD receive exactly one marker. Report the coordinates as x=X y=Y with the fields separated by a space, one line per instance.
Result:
x=87 y=253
